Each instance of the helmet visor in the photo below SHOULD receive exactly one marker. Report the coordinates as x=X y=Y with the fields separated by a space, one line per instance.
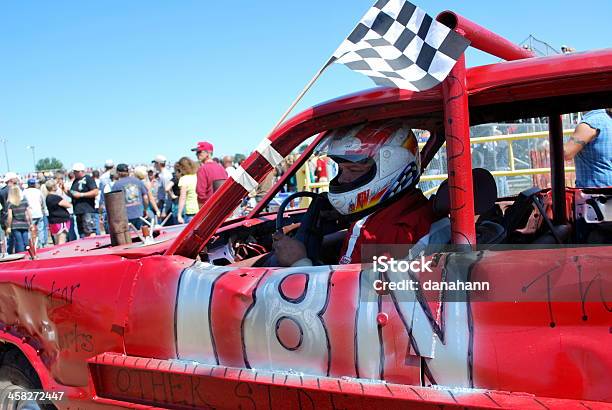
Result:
x=352 y=173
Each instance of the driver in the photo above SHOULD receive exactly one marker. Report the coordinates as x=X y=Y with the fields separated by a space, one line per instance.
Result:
x=378 y=169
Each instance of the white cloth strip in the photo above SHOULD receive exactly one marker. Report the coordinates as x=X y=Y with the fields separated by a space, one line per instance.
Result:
x=267 y=151
x=243 y=178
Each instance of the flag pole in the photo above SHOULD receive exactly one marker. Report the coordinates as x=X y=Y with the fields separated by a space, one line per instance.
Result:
x=301 y=94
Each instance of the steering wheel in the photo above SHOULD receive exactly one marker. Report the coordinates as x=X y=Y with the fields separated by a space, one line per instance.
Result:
x=312 y=226
x=280 y=218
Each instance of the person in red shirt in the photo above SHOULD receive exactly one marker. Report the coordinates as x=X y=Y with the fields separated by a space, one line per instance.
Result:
x=321 y=171
x=378 y=169
x=210 y=174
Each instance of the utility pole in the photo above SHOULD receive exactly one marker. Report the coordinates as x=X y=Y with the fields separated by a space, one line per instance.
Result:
x=33 y=148
x=3 y=141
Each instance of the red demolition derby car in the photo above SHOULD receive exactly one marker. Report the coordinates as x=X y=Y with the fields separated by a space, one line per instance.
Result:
x=195 y=318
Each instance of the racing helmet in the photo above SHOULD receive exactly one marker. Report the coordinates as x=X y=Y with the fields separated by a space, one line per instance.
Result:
x=389 y=147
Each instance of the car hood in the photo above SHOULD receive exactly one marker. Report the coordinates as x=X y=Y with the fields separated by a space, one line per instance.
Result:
x=100 y=245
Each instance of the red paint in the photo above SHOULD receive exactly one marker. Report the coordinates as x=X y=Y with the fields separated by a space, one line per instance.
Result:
x=234 y=295
x=341 y=335
x=151 y=298
x=402 y=364
x=457 y=127
x=202 y=386
x=294 y=286
x=483 y=39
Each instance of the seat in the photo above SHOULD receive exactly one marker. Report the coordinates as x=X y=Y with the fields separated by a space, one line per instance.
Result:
x=489 y=233
x=485 y=197
x=435 y=241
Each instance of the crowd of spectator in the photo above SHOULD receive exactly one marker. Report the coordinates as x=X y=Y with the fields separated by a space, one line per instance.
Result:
x=56 y=207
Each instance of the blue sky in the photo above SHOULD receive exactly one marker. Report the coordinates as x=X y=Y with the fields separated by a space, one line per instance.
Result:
x=92 y=80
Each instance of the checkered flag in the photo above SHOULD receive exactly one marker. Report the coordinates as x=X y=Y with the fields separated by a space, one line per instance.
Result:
x=397 y=44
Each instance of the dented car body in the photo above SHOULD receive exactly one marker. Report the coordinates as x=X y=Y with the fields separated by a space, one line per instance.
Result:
x=168 y=325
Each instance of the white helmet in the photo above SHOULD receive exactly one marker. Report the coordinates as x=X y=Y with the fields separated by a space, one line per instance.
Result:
x=389 y=146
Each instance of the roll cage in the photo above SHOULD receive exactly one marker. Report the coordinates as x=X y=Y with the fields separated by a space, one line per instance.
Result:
x=543 y=86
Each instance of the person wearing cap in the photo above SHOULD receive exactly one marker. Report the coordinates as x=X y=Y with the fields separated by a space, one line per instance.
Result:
x=105 y=178
x=83 y=192
x=135 y=192
x=38 y=209
x=210 y=175
x=164 y=189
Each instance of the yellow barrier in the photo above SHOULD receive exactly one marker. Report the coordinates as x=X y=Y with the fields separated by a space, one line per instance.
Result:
x=304 y=183
x=510 y=139
x=508 y=173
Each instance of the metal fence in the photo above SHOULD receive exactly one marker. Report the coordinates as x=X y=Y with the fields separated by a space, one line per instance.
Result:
x=517 y=154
